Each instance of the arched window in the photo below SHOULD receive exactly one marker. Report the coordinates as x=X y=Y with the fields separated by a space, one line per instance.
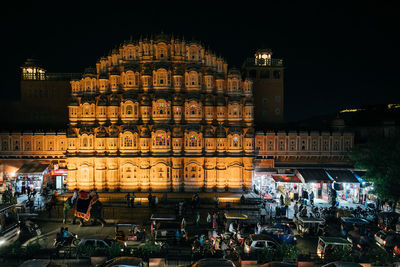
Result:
x=128 y=110
x=85 y=142
x=235 y=141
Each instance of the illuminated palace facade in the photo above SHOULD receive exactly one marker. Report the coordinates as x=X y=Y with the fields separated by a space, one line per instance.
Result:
x=160 y=114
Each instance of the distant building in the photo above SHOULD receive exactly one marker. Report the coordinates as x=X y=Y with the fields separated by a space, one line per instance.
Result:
x=267 y=74
x=43 y=101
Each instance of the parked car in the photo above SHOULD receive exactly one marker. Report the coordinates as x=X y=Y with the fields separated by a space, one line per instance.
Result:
x=342 y=264
x=213 y=263
x=256 y=243
x=281 y=232
x=279 y=264
x=125 y=261
x=99 y=243
x=386 y=239
x=38 y=263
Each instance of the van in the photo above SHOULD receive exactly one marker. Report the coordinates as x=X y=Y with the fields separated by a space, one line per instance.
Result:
x=327 y=244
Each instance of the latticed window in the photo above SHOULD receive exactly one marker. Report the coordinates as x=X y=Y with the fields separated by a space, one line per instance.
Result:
x=193 y=142
x=128 y=141
x=160 y=139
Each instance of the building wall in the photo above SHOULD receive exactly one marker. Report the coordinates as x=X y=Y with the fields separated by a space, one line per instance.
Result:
x=268 y=77
x=161 y=114
x=302 y=147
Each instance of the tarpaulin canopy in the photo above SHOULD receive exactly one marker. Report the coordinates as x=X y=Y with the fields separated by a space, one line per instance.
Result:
x=342 y=176
x=286 y=178
x=314 y=175
x=28 y=168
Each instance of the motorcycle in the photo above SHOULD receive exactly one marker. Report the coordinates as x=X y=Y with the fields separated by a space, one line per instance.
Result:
x=61 y=241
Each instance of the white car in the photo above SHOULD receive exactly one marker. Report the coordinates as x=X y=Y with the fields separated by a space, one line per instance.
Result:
x=258 y=242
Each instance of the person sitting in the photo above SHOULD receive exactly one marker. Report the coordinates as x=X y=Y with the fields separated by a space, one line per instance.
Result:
x=67 y=235
x=120 y=235
x=232 y=228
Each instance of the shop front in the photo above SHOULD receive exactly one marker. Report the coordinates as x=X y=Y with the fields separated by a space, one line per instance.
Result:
x=30 y=175
x=346 y=185
x=263 y=183
x=288 y=184
x=316 y=181
x=365 y=188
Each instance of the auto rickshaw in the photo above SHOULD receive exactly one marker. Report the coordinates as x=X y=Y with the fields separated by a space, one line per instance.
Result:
x=235 y=217
x=309 y=225
x=326 y=245
x=129 y=234
x=164 y=228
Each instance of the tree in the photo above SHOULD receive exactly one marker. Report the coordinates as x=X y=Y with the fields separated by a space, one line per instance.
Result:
x=381 y=158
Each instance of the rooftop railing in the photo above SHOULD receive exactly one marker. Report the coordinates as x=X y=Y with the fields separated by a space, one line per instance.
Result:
x=51 y=76
x=271 y=62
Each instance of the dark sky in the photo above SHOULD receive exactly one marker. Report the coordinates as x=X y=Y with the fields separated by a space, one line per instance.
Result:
x=336 y=54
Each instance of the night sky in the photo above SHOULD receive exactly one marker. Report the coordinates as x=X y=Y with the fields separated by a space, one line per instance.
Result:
x=337 y=55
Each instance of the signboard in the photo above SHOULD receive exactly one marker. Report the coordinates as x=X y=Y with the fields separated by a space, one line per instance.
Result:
x=59 y=172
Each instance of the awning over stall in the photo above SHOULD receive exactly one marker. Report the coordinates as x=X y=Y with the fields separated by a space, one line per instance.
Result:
x=314 y=175
x=342 y=176
x=280 y=178
x=32 y=168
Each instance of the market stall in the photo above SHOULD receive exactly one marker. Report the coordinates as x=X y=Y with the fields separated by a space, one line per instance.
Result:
x=346 y=185
x=288 y=184
x=315 y=180
x=30 y=175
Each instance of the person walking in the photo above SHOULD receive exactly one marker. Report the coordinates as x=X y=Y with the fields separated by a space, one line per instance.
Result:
x=197 y=218
x=209 y=220
x=66 y=208
x=263 y=213
x=287 y=204
x=128 y=200
x=296 y=209
x=216 y=201
x=312 y=198
x=214 y=221
x=281 y=200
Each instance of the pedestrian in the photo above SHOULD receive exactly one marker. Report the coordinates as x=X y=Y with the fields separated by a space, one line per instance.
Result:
x=178 y=236
x=296 y=209
x=67 y=207
x=216 y=201
x=133 y=199
x=183 y=226
x=281 y=200
x=263 y=213
x=224 y=247
x=214 y=221
x=198 y=219
x=209 y=220
x=128 y=200
x=312 y=198
x=277 y=212
x=242 y=200
x=287 y=204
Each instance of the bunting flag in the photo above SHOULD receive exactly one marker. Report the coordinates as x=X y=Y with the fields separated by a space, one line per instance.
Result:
x=83 y=206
